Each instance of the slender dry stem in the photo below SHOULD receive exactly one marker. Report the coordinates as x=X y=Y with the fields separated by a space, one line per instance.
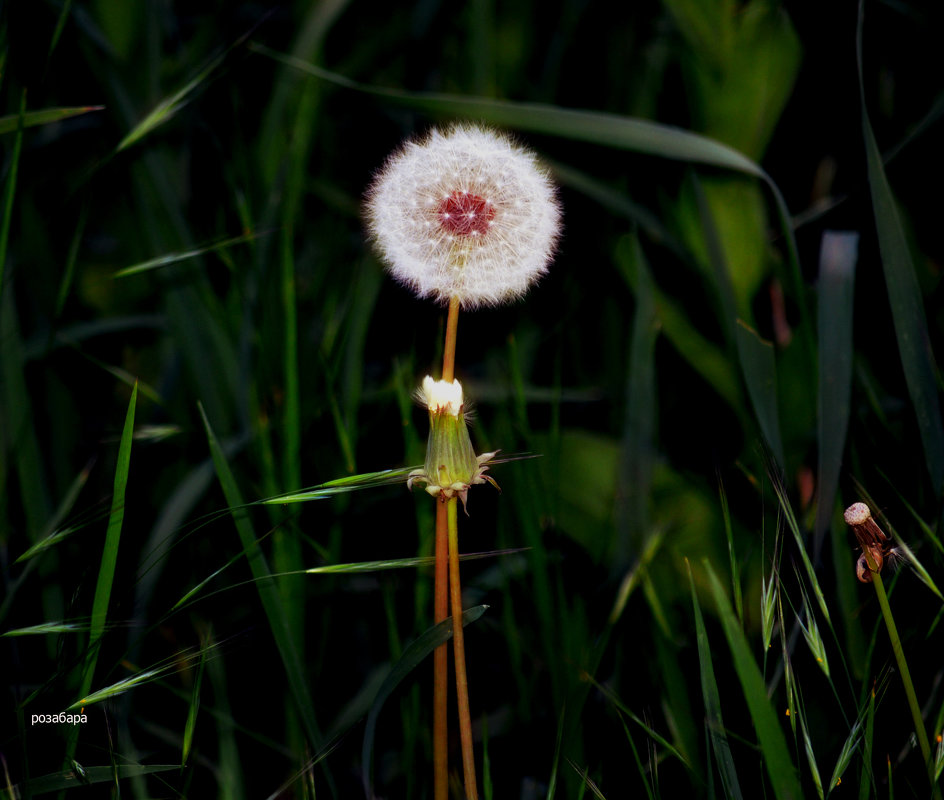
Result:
x=440 y=660
x=458 y=644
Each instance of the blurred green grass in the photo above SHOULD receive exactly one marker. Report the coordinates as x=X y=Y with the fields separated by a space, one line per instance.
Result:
x=705 y=380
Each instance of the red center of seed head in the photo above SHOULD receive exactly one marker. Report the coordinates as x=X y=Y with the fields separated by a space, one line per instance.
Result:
x=463 y=214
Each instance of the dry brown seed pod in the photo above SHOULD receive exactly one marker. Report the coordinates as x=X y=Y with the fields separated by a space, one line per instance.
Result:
x=871 y=538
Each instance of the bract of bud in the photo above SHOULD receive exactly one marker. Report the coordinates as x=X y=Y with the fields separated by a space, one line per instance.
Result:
x=451 y=463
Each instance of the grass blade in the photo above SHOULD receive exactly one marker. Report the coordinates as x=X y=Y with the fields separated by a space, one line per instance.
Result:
x=837 y=261
x=46 y=116
x=773 y=744
x=69 y=780
x=413 y=654
x=175 y=258
x=760 y=375
x=904 y=297
x=268 y=590
x=106 y=571
x=714 y=721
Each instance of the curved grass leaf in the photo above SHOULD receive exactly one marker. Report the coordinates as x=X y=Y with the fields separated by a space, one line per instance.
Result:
x=773 y=744
x=904 y=297
x=760 y=375
x=413 y=654
x=48 y=627
x=174 y=258
x=68 y=779
x=46 y=116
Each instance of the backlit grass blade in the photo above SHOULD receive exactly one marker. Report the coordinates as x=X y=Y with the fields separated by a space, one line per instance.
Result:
x=59 y=781
x=365 y=480
x=845 y=755
x=552 y=782
x=175 y=258
x=714 y=722
x=268 y=590
x=401 y=563
x=904 y=297
x=413 y=654
x=760 y=375
x=9 y=188
x=48 y=627
x=167 y=108
x=773 y=744
x=790 y=518
x=866 y=774
x=45 y=116
x=193 y=708
x=811 y=756
x=811 y=633
x=837 y=261
x=106 y=570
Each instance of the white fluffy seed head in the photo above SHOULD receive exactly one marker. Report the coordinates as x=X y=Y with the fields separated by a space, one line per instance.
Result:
x=464 y=213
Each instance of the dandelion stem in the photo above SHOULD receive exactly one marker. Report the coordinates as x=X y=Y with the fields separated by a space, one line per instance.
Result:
x=449 y=350
x=458 y=642
x=902 y=664
x=440 y=662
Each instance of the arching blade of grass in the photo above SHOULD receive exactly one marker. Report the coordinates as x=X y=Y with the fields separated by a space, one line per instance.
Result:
x=194 y=707
x=904 y=297
x=46 y=116
x=552 y=783
x=773 y=744
x=760 y=375
x=268 y=591
x=174 y=258
x=714 y=722
x=69 y=780
x=106 y=571
x=49 y=627
x=837 y=261
x=413 y=654
x=363 y=481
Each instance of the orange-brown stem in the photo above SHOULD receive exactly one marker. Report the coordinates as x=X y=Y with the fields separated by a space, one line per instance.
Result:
x=440 y=656
x=458 y=644
x=449 y=348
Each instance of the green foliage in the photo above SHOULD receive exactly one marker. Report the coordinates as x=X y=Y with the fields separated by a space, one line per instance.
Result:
x=737 y=339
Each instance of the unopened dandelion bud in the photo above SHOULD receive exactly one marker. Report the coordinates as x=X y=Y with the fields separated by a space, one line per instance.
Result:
x=451 y=463
x=464 y=214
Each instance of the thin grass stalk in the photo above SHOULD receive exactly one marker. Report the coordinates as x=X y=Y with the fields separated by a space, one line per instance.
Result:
x=458 y=643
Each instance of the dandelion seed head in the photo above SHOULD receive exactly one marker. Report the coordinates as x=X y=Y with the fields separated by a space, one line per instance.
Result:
x=464 y=213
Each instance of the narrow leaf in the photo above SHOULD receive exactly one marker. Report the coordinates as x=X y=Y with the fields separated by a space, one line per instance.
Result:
x=837 y=261
x=904 y=297
x=413 y=654
x=760 y=375
x=714 y=720
x=46 y=116
x=772 y=741
x=268 y=590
